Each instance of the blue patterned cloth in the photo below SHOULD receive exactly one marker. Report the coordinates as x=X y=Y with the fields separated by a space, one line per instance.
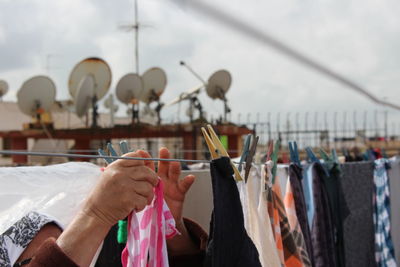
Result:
x=308 y=193
x=384 y=250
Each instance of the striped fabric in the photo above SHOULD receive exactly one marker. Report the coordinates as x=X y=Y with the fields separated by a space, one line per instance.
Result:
x=295 y=226
x=285 y=242
x=384 y=251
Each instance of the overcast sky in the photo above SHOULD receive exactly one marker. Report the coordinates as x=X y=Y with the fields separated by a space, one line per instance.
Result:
x=357 y=38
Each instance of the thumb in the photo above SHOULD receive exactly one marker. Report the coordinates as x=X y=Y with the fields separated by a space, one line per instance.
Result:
x=186 y=183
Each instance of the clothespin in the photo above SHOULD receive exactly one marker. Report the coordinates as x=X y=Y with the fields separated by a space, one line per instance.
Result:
x=211 y=147
x=102 y=153
x=213 y=142
x=334 y=155
x=325 y=156
x=311 y=155
x=294 y=153
x=112 y=150
x=274 y=158
x=245 y=152
x=249 y=158
x=123 y=146
x=270 y=150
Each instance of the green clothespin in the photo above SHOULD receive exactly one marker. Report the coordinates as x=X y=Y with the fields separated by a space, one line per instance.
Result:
x=274 y=158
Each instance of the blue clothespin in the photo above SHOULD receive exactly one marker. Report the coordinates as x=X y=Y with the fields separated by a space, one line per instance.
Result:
x=311 y=155
x=294 y=153
x=249 y=158
x=102 y=153
x=123 y=146
x=112 y=150
x=245 y=152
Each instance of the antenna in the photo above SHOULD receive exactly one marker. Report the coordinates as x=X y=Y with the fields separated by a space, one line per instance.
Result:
x=91 y=70
x=154 y=83
x=129 y=90
x=36 y=96
x=217 y=87
x=3 y=89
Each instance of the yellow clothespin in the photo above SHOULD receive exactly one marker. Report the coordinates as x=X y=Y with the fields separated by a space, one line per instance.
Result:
x=211 y=147
x=221 y=150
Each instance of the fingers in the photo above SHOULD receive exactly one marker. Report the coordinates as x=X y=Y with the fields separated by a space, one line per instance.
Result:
x=186 y=183
x=142 y=173
x=129 y=162
x=145 y=154
x=163 y=166
x=174 y=171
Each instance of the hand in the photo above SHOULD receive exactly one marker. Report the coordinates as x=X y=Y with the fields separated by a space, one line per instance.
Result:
x=175 y=189
x=125 y=185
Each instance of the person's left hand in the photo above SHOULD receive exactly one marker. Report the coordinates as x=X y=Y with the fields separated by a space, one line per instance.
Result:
x=175 y=189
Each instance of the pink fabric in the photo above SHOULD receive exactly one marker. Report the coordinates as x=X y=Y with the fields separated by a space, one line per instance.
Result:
x=147 y=233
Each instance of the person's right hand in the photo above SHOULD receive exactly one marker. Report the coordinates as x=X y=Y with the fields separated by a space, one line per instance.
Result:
x=125 y=185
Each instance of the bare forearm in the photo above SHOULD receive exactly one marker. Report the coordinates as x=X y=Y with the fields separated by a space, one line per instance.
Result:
x=82 y=238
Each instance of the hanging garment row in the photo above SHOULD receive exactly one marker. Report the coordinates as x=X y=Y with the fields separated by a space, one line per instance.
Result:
x=319 y=214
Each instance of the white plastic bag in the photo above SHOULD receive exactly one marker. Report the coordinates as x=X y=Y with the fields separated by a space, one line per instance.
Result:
x=56 y=190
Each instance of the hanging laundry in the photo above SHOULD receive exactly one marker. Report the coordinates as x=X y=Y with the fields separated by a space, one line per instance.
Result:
x=384 y=251
x=257 y=224
x=322 y=235
x=308 y=193
x=295 y=226
x=339 y=208
x=228 y=244
x=283 y=235
x=295 y=178
x=358 y=227
x=148 y=230
x=394 y=181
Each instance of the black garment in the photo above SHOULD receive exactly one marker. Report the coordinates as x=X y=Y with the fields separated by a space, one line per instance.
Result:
x=339 y=210
x=296 y=176
x=228 y=245
x=322 y=234
x=110 y=254
x=358 y=228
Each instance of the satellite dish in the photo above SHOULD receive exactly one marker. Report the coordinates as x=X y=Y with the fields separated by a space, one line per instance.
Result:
x=36 y=96
x=129 y=88
x=87 y=91
x=101 y=73
x=154 y=83
x=3 y=88
x=218 y=84
x=84 y=95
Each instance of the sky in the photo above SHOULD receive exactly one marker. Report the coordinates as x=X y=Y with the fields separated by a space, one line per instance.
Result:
x=357 y=38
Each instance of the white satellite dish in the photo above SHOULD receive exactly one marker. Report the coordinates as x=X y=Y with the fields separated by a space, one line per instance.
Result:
x=36 y=96
x=101 y=73
x=88 y=82
x=218 y=84
x=129 y=88
x=3 y=88
x=84 y=95
x=154 y=83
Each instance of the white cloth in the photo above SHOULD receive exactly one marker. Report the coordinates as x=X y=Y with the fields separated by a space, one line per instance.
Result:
x=14 y=241
x=258 y=225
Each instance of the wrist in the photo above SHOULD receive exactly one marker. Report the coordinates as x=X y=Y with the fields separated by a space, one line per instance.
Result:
x=85 y=233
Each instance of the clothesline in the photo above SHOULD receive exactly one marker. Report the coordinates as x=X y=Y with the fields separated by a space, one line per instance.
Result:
x=68 y=155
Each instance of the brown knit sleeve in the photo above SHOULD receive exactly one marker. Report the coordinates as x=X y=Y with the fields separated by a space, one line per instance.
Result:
x=50 y=254
x=199 y=237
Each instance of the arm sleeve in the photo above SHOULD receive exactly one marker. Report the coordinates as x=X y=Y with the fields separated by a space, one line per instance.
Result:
x=199 y=237
x=50 y=254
